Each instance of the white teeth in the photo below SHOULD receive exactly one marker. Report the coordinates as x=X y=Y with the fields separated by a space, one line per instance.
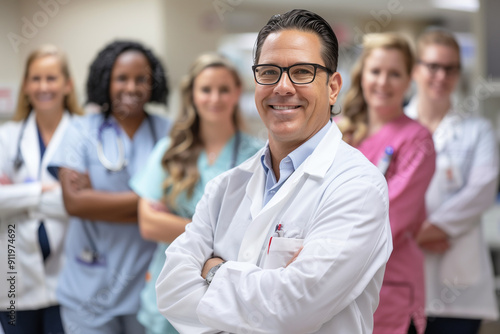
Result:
x=129 y=99
x=284 y=107
x=44 y=97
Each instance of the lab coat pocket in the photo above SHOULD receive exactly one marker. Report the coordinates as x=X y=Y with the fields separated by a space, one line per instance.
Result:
x=280 y=251
x=461 y=265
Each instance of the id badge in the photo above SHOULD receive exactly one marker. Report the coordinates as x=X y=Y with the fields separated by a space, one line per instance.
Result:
x=454 y=179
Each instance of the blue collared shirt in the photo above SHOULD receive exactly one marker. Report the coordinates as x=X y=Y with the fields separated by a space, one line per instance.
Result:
x=289 y=164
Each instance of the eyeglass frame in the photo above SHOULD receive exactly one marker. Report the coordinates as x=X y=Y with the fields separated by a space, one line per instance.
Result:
x=449 y=70
x=285 y=69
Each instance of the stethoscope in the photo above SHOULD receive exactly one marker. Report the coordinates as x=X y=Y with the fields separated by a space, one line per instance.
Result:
x=19 y=160
x=236 y=148
x=121 y=163
x=91 y=255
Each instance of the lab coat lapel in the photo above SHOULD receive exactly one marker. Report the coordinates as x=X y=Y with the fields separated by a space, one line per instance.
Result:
x=264 y=218
x=255 y=190
x=448 y=129
x=53 y=145
x=29 y=149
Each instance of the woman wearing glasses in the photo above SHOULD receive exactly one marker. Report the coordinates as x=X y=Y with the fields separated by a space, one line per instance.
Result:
x=375 y=123
x=459 y=278
x=205 y=141
x=33 y=221
x=106 y=256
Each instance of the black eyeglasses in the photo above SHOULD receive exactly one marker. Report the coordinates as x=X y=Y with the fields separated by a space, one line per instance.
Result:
x=434 y=68
x=299 y=74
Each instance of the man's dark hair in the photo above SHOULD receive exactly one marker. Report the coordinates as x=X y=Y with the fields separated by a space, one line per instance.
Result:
x=302 y=20
x=100 y=74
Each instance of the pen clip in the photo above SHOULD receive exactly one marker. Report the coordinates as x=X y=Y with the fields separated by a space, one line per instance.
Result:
x=278 y=230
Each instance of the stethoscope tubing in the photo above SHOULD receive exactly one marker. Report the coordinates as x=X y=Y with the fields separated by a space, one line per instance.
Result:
x=122 y=162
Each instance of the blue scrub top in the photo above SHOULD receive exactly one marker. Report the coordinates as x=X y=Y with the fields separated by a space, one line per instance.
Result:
x=110 y=286
x=148 y=184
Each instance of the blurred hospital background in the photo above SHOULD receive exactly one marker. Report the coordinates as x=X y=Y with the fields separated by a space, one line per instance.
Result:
x=179 y=30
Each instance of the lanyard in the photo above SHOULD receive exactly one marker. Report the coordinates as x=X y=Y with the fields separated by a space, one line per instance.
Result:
x=237 y=140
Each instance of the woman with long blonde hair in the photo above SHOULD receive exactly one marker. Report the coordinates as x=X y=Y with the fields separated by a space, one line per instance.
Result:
x=32 y=214
x=375 y=123
x=205 y=140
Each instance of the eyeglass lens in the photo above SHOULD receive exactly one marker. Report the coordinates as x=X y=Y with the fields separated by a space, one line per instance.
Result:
x=271 y=74
x=435 y=68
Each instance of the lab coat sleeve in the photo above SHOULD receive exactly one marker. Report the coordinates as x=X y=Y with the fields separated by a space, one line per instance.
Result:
x=180 y=287
x=479 y=190
x=51 y=205
x=17 y=198
x=347 y=243
x=408 y=182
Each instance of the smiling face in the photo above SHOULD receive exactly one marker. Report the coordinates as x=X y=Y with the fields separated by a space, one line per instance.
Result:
x=46 y=85
x=294 y=113
x=130 y=84
x=215 y=95
x=437 y=84
x=384 y=81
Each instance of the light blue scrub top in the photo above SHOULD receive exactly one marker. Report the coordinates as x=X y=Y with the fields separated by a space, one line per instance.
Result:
x=148 y=184
x=110 y=287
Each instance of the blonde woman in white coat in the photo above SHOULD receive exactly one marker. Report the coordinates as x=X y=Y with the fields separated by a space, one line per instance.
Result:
x=33 y=220
x=459 y=277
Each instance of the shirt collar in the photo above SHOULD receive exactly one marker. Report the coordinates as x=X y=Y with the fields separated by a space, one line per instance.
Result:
x=300 y=154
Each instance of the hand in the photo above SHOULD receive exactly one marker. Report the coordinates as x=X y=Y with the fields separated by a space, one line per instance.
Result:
x=429 y=233
x=438 y=247
x=4 y=180
x=158 y=206
x=209 y=265
x=79 y=181
x=49 y=186
x=294 y=256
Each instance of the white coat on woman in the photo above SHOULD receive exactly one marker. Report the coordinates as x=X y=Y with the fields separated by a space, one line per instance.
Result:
x=22 y=206
x=459 y=282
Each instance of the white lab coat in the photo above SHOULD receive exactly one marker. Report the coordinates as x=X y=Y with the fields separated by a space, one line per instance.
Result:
x=335 y=205
x=460 y=282
x=24 y=205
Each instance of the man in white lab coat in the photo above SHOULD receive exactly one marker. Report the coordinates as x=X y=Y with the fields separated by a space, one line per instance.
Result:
x=295 y=239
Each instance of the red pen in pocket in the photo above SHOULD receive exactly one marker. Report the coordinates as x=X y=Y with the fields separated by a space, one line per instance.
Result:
x=277 y=231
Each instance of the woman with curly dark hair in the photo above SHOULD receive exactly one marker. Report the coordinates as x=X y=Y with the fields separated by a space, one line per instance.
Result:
x=106 y=256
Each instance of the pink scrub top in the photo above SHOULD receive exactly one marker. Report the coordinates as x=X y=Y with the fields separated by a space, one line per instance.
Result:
x=410 y=170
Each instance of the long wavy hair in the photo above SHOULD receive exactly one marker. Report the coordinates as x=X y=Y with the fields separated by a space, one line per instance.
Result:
x=180 y=159
x=24 y=106
x=354 y=123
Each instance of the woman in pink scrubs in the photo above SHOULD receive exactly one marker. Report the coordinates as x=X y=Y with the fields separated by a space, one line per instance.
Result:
x=375 y=123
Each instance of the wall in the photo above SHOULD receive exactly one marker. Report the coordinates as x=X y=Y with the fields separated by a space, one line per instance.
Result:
x=80 y=27
x=177 y=31
x=10 y=64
